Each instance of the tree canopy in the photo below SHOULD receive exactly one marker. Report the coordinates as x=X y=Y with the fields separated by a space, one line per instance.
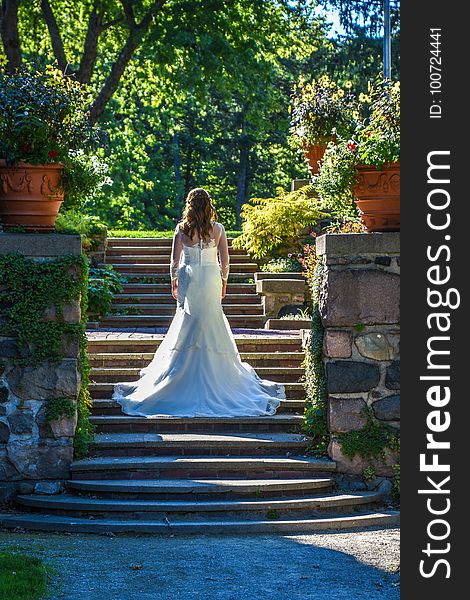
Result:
x=190 y=92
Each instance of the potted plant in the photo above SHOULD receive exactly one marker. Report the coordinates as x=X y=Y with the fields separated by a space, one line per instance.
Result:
x=320 y=111
x=365 y=169
x=46 y=143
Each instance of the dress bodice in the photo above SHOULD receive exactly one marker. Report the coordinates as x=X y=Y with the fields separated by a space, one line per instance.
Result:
x=202 y=253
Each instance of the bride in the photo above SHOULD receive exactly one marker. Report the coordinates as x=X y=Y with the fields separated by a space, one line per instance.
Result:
x=197 y=370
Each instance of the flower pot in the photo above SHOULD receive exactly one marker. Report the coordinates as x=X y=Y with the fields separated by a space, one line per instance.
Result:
x=30 y=195
x=314 y=153
x=377 y=195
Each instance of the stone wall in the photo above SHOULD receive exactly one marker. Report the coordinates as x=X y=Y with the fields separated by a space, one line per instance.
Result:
x=360 y=313
x=35 y=454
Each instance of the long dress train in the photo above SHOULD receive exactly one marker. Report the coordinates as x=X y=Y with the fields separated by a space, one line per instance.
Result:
x=197 y=370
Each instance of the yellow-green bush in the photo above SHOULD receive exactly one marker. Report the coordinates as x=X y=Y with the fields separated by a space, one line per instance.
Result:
x=273 y=223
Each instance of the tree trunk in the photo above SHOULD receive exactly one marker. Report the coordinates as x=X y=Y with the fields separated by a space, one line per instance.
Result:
x=9 y=33
x=178 y=178
x=56 y=40
x=243 y=179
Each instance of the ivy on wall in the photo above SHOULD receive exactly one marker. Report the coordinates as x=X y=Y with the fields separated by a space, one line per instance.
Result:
x=315 y=415
x=29 y=288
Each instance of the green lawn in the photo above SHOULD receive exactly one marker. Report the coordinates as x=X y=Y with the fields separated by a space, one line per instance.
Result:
x=153 y=233
x=22 y=577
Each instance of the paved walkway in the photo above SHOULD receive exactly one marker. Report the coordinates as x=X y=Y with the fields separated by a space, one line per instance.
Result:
x=334 y=566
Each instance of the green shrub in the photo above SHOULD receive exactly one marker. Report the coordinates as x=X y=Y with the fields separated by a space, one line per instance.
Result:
x=103 y=283
x=268 y=224
x=290 y=264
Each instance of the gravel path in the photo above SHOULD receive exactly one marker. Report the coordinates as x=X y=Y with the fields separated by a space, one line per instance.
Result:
x=332 y=566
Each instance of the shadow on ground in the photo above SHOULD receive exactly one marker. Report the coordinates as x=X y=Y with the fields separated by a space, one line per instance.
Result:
x=331 y=566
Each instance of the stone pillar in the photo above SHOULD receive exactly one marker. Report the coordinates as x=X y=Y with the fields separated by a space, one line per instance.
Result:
x=35 y=453
x=279 y=290
x=359 y=309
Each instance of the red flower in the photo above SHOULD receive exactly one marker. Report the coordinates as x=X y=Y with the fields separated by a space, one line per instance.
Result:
x=352 y=146
x=26 y=148
x=53 y=154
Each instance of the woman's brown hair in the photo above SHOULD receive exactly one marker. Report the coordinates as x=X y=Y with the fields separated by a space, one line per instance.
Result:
x=198 y=214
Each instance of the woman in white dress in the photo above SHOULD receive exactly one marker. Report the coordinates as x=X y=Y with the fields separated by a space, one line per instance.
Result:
x=197 y=370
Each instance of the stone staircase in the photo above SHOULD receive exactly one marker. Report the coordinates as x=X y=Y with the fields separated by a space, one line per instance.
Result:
x=146 y=300
x=190 y=475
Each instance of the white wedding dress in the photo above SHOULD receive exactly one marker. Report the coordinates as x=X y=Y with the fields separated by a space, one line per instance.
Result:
x=197 y=370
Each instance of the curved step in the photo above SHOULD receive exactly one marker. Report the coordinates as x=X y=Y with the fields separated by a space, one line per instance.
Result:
x=171 y=467
x=70 y=504
x=196 y=488
x=45 y=522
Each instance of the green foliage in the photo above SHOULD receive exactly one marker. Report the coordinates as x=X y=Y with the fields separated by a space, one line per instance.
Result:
x=59 y=407
x=346 y=225
x=376 y=143
x=302 y=314
x=22 y=576
x=289 y=264
x=90 y=228
x=270 y=223
x=44 y=119
x=103 y=283
x=370 y=441
x=369 y=473
x=333 y=183
x=29 y=288
x=321 y=109
x=315 y=413
x=396 y=481
x=379 y=137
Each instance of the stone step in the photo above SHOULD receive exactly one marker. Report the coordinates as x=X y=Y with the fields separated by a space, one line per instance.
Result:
x=164 y=288
x=141 y=359
x=143 y=321
x=136 y=424
x=163 y=277
x=267 y=344
x=81 y=506
x=144 y=299
x=199 y=489
x=113 y=250
x=245 y=268
x=104 y=390
x=159 y=259
x=137 y=468
x=106 y=407
x=169 y=309
x=190 y=444
x=120 y=374
x=47 y=522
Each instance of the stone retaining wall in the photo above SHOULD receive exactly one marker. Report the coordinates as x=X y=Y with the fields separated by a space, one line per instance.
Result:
x=35 y=455
x=360 y=312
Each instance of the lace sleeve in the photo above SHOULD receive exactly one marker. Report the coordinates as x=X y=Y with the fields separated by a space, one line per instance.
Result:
x=223 y=254
x=176 y=249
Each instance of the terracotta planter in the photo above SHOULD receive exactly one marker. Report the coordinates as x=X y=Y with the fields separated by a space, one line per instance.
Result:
x=30 y=195
x=378 y=197
x=314 y=153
